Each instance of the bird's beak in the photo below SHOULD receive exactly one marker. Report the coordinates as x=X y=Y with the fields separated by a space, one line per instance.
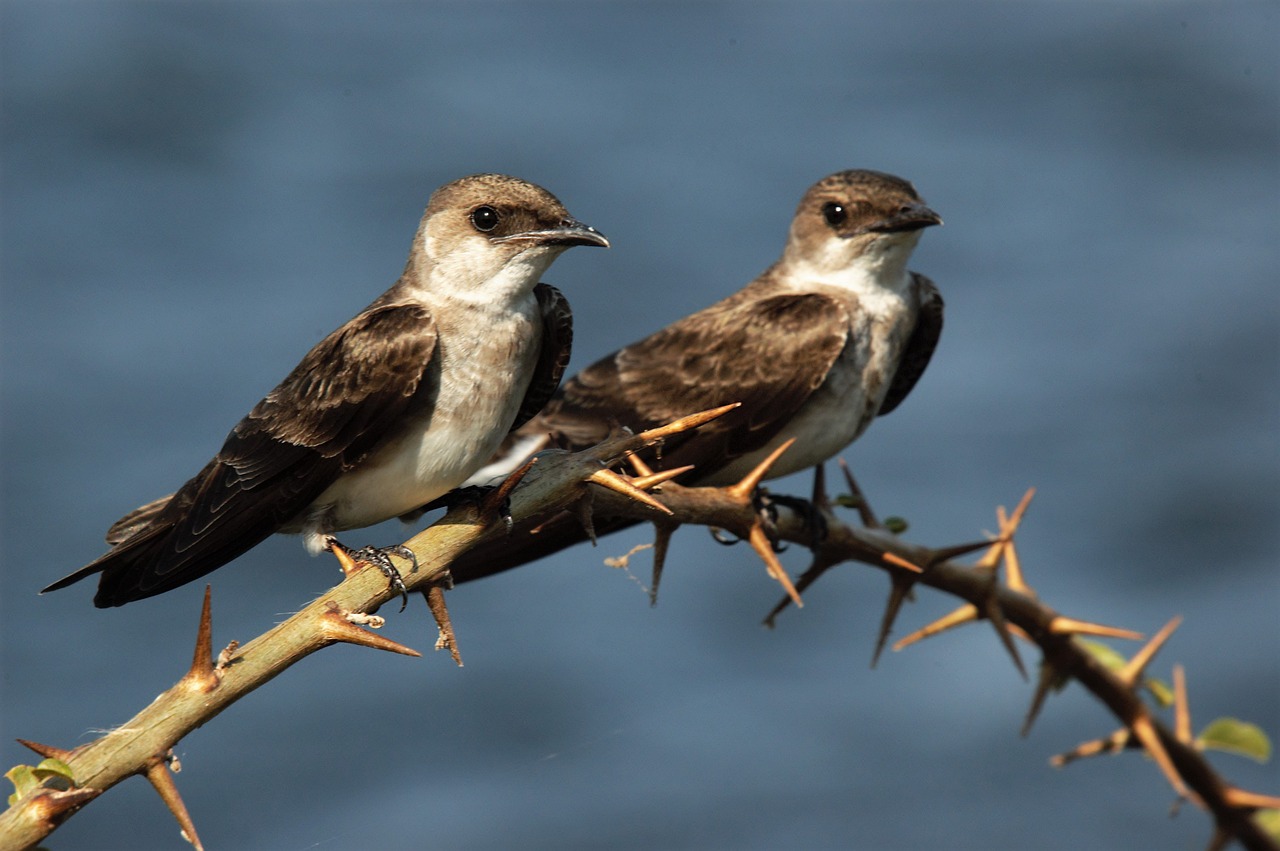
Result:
x=910 y=217
x=569 y=232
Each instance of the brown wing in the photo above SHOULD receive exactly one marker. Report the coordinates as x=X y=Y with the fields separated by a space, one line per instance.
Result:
x=768 y=353
x=332 y=410
x=920 y=345
x=553 y=358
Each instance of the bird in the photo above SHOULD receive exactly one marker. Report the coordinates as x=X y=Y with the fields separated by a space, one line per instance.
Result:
x=395 y=408
x=835 y=333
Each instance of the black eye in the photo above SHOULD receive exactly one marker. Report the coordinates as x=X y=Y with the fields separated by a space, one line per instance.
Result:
x=834 y=213
x=484 y=218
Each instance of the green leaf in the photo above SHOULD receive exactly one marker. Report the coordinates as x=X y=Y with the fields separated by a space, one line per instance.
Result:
x=24 y=780
x=1110 y=659
x=1159 y=690
x=56 y=771
x=1269 y=821
x=1236 y=736
x=848 y=500
x=896 y=525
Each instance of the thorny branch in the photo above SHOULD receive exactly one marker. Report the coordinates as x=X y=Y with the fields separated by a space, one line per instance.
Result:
x=559 y=482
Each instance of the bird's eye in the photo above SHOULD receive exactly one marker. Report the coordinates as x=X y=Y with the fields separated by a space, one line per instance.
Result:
x=834 y=213
x=484 y=219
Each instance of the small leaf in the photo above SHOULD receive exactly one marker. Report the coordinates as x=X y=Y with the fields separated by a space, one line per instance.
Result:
x=1235 y=736
x=54 y=770
x=24 y=780
x=846 y=500
x=1269 y=821
x=1110 y=659
x=896 y=525
x=1159 y=690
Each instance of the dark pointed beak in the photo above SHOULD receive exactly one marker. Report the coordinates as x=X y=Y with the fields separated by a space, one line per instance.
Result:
x=568 y=232
x=909 y=217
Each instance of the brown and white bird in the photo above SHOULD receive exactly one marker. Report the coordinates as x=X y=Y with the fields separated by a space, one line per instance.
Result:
x=834 y=334
x=392 y=410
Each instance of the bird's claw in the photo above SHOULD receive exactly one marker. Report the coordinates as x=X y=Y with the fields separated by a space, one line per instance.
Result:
x=380 y=557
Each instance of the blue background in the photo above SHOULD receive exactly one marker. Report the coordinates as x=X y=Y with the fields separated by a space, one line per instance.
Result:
x=194 y=194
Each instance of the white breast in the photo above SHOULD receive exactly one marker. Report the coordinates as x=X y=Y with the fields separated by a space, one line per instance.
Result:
x=486 y=366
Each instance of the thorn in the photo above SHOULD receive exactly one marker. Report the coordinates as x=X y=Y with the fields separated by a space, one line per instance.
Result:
x=1132 y=671
x=46 y=751
x=947 y=553
x=898 y=561
x=964 y=614
x=995 y=614
x=820 y=499
x=743 y=489
x=1049 y=678
x=685 y=423
x=651 y=479
x=203 y=676
x=345 y=562
x=1146 y=733
x=865 y=513
x=661 y=539
x=614 y=482
x=820 y=566
x=1181 y=710
x=899 y=587
x=638 y=464
x=157 y=772
x=1069 y=626
x=494 y=500
x=446 y=638
x=582 y=508
x=1250 y=800
x=334 y=627
x=760 y=543
x=1116 y=742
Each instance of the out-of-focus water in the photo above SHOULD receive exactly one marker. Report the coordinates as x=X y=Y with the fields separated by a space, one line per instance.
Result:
x=193 y=194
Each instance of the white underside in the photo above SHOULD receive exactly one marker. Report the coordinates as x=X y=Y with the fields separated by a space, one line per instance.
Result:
x=485 y=377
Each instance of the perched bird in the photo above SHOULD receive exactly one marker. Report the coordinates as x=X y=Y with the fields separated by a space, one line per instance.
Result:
x=393 y=409
x=834 y=334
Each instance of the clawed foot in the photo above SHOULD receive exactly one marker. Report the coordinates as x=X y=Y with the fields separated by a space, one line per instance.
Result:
x=379 y=557
x=766 y=506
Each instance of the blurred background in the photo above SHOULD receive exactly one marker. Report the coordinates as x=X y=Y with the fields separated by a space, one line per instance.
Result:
x=194 y=194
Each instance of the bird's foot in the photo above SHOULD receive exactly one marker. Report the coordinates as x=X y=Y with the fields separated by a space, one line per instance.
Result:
x=766 y=507
x=379 y=557
x=812 y=516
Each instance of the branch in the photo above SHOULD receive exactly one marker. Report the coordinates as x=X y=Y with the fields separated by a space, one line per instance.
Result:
x=561 y=482
x=143 y=745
